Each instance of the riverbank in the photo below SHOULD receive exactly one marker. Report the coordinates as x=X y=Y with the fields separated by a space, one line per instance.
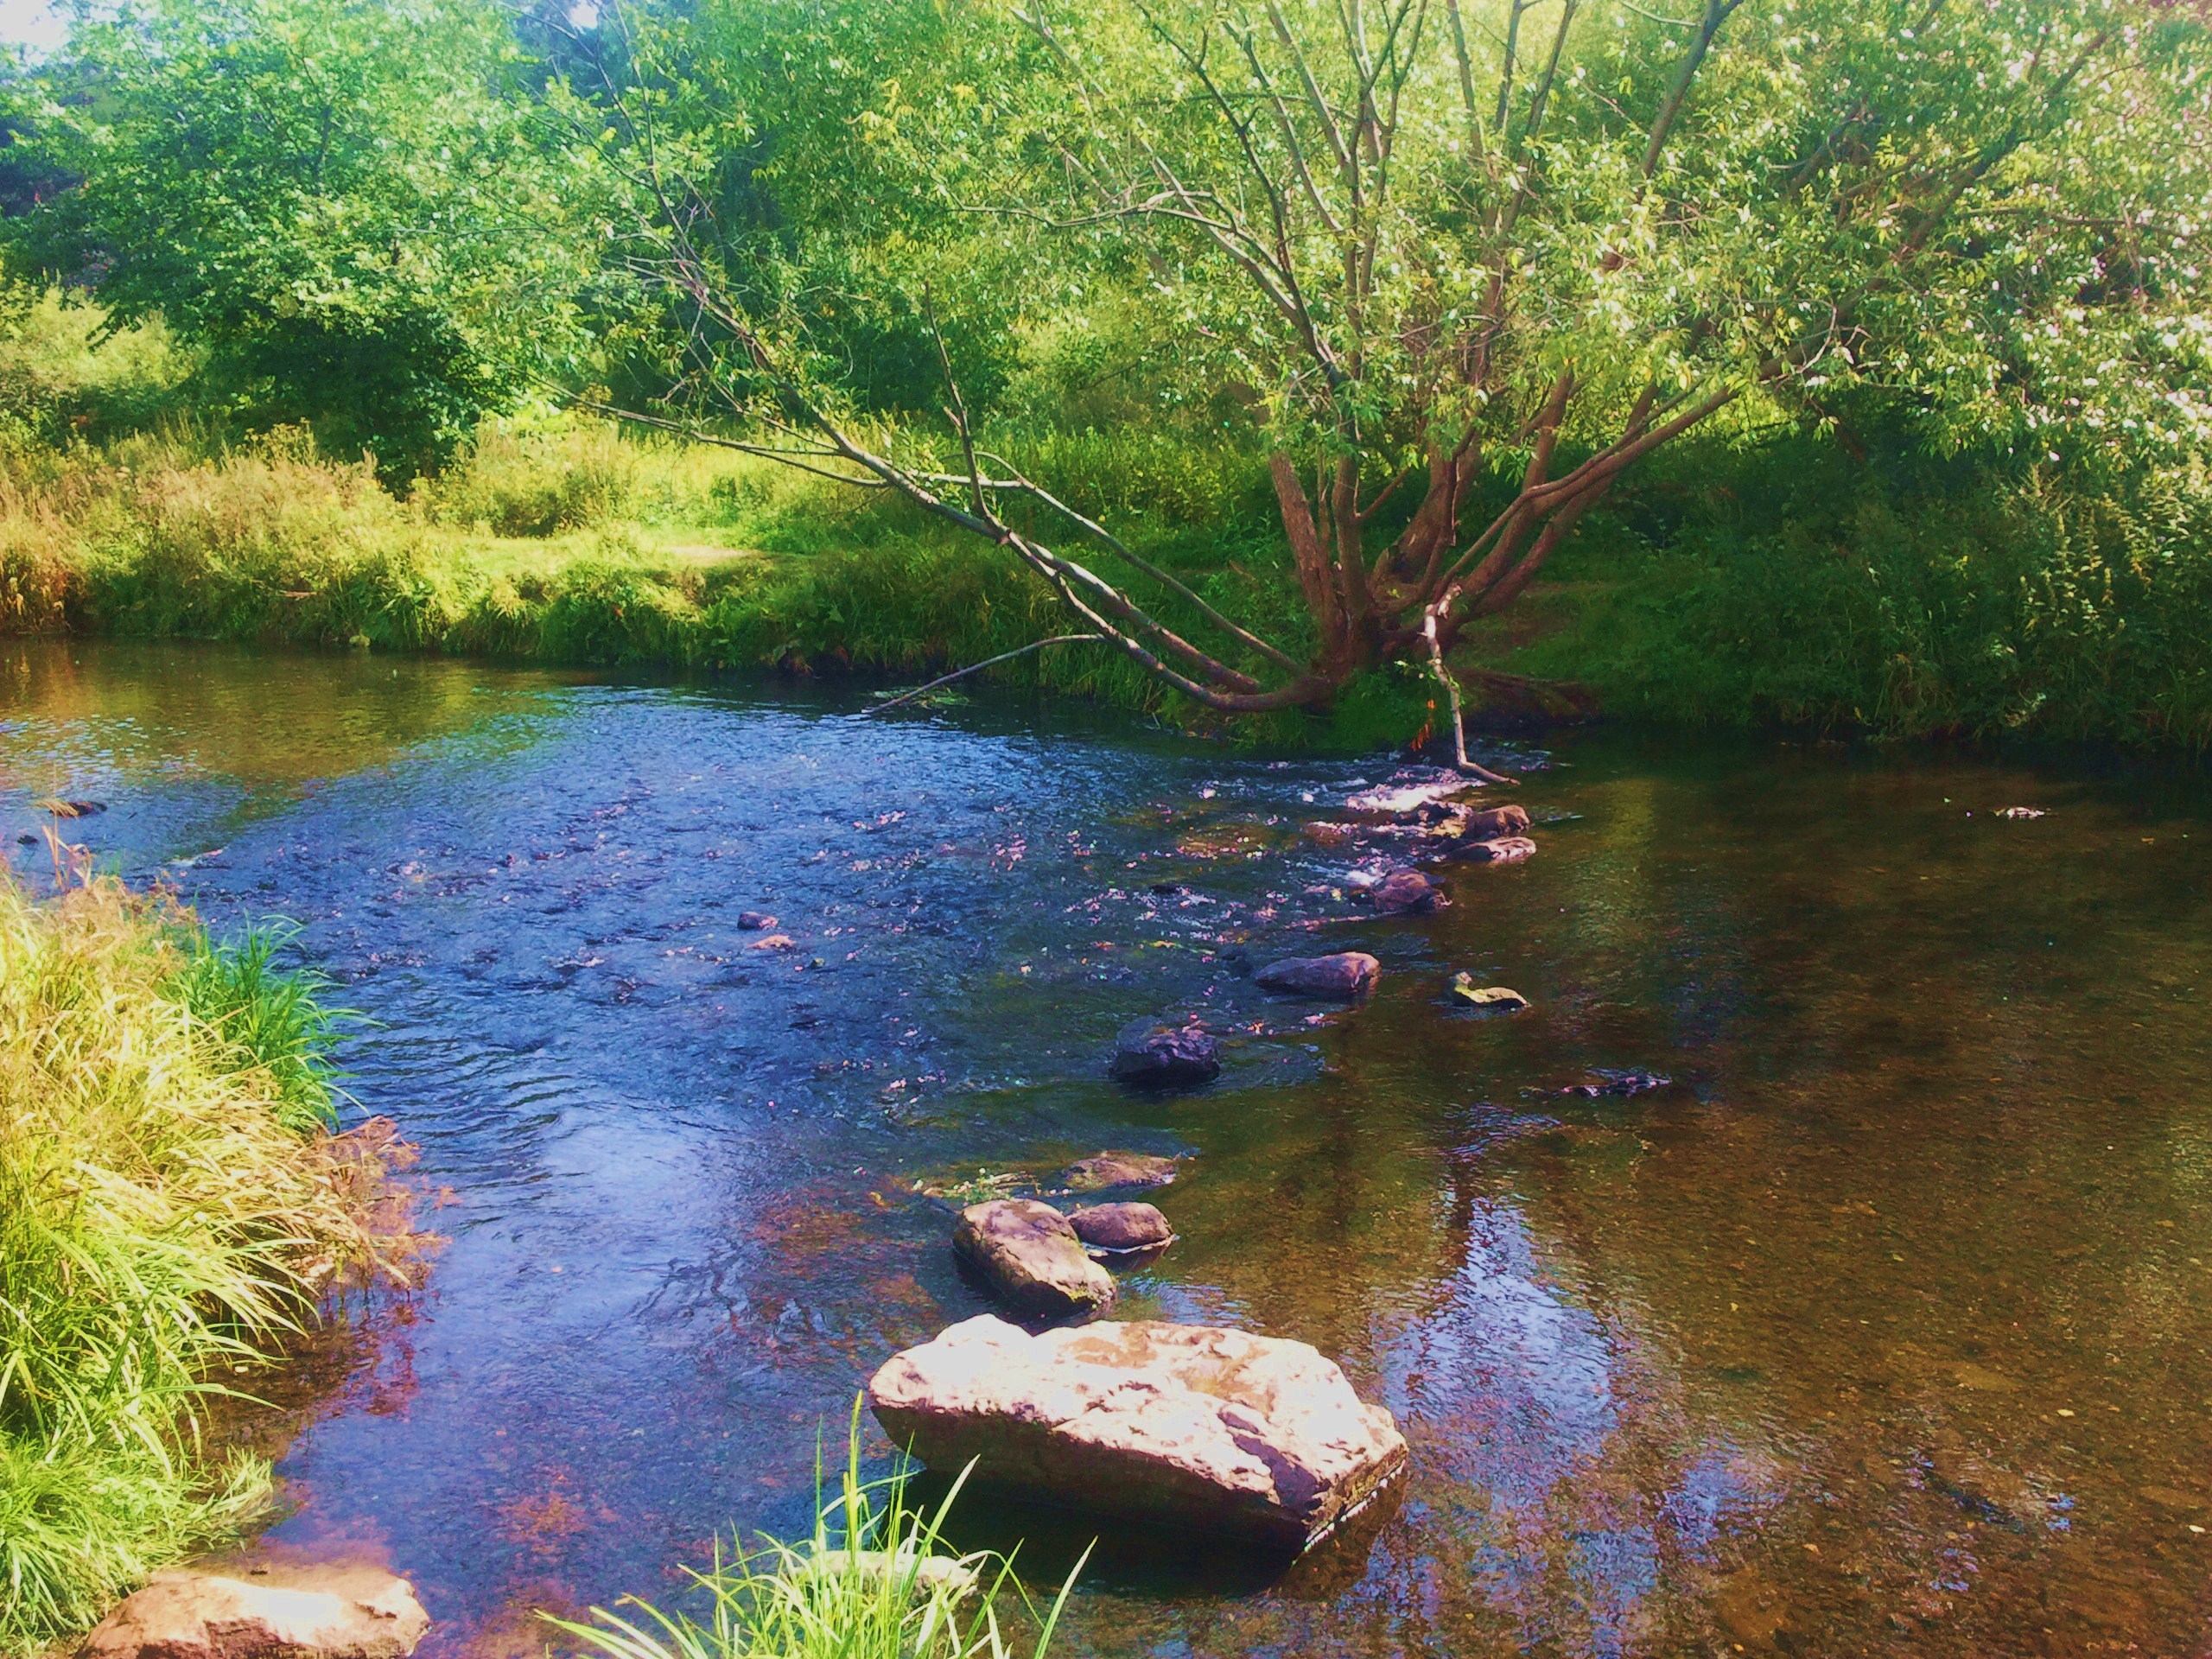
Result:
x=1738 y=587
x=172 y=1204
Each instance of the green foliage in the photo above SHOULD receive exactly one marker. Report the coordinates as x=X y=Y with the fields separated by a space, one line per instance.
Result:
x=873 y=1582
x=1898 y=596
x=344 y=204
x=271 y=1017
x=161 y=1219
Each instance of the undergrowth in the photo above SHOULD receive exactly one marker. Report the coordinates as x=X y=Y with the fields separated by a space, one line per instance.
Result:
x=167 y=1212
x=1732 y=583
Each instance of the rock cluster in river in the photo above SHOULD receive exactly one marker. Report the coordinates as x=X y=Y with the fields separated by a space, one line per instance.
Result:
x=1218 y=1432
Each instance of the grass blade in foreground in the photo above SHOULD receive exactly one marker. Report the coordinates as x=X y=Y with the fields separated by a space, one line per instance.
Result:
x=871 y=1583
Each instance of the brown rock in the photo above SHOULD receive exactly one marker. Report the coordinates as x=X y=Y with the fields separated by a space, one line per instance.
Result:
x=1407 y=892
x=307 y=1613
x=1102 y=1170
x=1502 y=849
x=1031 y=1258
x=1326 y=834
x=1346 y=976
x=1120 y=1226
x=1215 y=1431
x=1495 y=821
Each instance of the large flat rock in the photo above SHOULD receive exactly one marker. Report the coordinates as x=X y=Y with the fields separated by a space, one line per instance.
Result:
x=304 y=1613
x=1193 y=1427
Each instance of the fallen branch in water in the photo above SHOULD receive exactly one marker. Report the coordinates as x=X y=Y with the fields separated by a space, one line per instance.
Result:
x=988 y=662
x=1459 y=719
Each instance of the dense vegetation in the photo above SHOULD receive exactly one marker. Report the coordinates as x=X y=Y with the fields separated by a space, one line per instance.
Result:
x=1812 y=363
x=172 y=1206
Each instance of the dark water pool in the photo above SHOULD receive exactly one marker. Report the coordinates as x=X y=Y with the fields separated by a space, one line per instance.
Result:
x=1889 y=1330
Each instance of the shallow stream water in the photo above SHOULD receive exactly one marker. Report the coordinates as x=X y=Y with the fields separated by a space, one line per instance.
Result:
x=1886 y=1329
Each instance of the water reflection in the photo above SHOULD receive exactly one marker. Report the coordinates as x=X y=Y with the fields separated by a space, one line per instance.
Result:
x=1881 y=1331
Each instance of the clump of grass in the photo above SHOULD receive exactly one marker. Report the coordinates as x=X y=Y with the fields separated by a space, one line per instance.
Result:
x=163 y=1221
x=271 y=1017
x=873 y=1582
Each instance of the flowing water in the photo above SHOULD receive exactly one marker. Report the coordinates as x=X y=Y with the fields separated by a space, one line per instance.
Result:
x=1886 y=1329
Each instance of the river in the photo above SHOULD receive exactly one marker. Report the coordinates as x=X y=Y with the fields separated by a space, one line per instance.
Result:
x=1887 y=1328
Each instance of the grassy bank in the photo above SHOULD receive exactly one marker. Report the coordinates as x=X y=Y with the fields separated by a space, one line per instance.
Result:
x=1737 y=584
x=172 y=1204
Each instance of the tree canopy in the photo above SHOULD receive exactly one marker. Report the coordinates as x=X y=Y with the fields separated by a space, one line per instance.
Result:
x=347 y=205
x=1463 y=265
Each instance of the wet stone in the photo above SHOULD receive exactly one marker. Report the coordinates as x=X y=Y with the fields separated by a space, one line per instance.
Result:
x=1122 y=1227
x=1151 y=1054
x=1407 y=892
x=1343 y=977
x=1104 y=1170
x=1492 y=822
x=1031 y=1258
x=1205 y=1430
x=755 y=921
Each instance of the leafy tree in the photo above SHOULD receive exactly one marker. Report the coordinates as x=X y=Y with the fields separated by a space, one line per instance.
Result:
x=346 y=204
x=1465 y=262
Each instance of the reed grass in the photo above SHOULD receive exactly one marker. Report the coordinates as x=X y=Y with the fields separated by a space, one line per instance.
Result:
x=165 y=1219
x=875 y=1581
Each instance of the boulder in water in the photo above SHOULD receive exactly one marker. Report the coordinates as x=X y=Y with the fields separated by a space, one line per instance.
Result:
x=1151 y=1054
x=1406 y=893
x=755 y=921
x=1216 y=1432
x=1032 y=1258
x=1344 y=977
x=1122 y=1227
x=1109 y=1169
x=295 y=1613
x=1495 y=821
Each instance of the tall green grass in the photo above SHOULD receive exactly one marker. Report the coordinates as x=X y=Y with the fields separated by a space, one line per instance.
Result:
x=874 y=1581
x=164 y=1220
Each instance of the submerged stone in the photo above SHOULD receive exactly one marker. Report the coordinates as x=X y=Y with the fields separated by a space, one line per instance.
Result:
x=1032 y=1258
x=304 y=1613
x=755 y=921
x=1214 y=1431
x=1344 y=977
x=1109 y=1169
x=1151 y=1054
x=1501 y=850
x=1122 y=1227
